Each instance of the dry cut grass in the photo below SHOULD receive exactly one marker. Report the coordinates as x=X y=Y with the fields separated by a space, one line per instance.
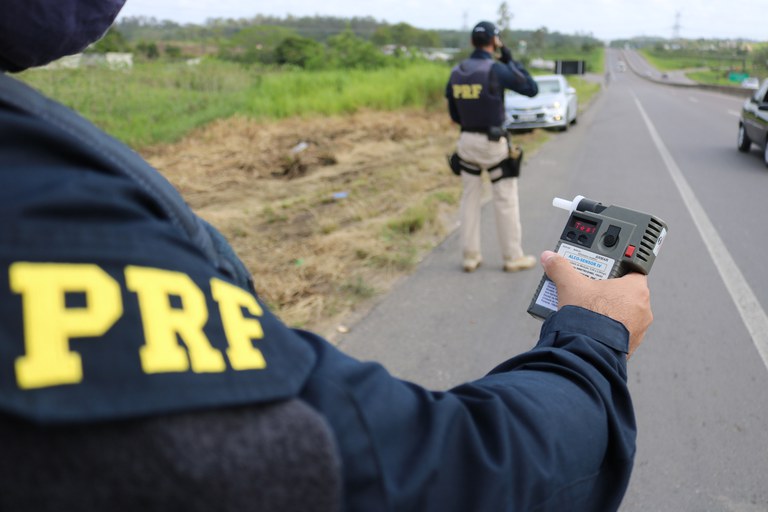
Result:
x=326 y=212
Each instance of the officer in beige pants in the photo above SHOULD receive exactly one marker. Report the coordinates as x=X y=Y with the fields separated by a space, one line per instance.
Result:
x=486 y=154
x=475 y=94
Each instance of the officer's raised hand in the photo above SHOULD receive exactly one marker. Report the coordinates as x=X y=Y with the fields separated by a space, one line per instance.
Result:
x=626 y=299
x=506 y=54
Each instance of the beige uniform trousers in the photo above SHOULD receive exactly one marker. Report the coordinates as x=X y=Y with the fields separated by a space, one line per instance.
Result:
x=475 y=148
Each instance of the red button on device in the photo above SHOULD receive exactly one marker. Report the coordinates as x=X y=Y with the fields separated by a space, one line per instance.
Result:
x=630 y=251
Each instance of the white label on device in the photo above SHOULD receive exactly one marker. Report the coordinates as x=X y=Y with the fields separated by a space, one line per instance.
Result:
x=592 y=265
x=548 y=296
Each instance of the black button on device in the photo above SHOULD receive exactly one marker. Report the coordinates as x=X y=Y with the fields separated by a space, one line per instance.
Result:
x=611 y=236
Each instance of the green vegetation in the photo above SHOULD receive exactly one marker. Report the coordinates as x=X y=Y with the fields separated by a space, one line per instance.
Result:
x=414 y=218
x=267 y=68
x=710 y=77
x=321 y=28
x=669 y=61
x=585 y=90
x=160 y=101
x=403 y=34
x=358 y=288
x=710 y=63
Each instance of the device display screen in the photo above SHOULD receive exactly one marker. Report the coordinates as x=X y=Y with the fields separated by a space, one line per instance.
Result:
x=586 y=227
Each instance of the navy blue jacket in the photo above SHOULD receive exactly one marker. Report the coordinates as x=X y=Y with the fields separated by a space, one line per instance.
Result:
x=551 y=429
x=511 y=75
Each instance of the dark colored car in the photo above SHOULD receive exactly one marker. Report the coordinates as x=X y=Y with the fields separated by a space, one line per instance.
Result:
x=753 y=125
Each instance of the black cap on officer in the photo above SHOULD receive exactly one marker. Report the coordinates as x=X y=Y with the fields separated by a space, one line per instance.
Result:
x=36 y=32
x=484 y=34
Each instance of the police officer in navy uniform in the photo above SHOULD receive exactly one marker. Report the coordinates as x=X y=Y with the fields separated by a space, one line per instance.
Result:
x=139 y=370
x=475 y=95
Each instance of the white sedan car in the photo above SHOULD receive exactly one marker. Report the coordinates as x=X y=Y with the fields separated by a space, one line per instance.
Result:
x=556 y=106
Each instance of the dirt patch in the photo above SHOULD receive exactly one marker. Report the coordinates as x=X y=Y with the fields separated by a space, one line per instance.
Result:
x=327 y=213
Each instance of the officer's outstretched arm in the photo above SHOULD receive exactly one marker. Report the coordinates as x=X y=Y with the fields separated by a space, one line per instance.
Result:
x=551 y=429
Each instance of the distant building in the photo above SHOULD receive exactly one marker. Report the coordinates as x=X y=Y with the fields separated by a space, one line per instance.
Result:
x=68 y=62
x=111 y=60
x=440 y=54
x=117 y=60
x=542 y=64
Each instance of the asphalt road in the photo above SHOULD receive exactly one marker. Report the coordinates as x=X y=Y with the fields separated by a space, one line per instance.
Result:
x=700 y=381
x=643 y=67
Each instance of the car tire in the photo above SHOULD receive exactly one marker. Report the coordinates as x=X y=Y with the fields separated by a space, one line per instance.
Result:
x=743 y=142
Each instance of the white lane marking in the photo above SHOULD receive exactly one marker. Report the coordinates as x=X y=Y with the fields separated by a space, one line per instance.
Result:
x=734 y=113
x=692 y=99
x=752 y=313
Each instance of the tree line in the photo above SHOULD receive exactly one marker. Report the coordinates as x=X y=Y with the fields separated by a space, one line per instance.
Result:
x=316 y=42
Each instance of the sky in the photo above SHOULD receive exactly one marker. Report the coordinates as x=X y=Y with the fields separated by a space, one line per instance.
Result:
x=604 y=19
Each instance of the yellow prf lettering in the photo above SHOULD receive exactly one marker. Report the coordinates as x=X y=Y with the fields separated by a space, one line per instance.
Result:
x=467 y=91
x=240 y=331
x=49 y=324
x=162 y=322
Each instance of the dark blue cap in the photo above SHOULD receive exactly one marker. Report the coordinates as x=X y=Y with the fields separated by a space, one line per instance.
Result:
x=484 y=33
x=36 y=32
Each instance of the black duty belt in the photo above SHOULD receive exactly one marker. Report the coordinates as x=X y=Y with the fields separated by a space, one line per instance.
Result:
x=494 y=133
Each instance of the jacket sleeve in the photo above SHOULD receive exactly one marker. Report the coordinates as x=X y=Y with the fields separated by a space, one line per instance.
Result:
x=452 y=110
x=551 y=429
x=515 y=77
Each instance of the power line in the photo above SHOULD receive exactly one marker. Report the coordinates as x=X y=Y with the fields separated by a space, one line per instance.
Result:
x=676 y=27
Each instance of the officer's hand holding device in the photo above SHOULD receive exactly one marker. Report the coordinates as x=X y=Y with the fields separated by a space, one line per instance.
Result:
x=603 y=242
x=626 y=299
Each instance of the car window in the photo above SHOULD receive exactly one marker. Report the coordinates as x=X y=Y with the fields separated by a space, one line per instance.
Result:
x=761 y=96
x=548 y=86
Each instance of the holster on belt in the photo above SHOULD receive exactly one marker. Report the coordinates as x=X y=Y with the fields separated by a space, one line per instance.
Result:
x=507 y=168
x=495 y=133
x=457 y=165
x=511 y=166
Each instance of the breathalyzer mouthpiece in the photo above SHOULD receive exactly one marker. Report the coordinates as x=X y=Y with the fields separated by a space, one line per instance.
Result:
x=565 y=204
x=579 y=203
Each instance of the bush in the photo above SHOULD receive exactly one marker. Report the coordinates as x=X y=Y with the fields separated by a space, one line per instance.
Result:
x=301 y=52
x=346 y=50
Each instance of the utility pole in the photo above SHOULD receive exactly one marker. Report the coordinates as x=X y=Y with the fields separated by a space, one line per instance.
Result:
x=505 y=17
x=676 y=27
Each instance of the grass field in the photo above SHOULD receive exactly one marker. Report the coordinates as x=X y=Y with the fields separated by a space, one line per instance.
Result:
x=711 y=78
x=585 y=90
x=711 y=70
x=670 y=62
x=160 y=102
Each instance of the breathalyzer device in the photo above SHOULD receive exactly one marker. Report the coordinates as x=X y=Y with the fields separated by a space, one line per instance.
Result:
x=601 y=242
